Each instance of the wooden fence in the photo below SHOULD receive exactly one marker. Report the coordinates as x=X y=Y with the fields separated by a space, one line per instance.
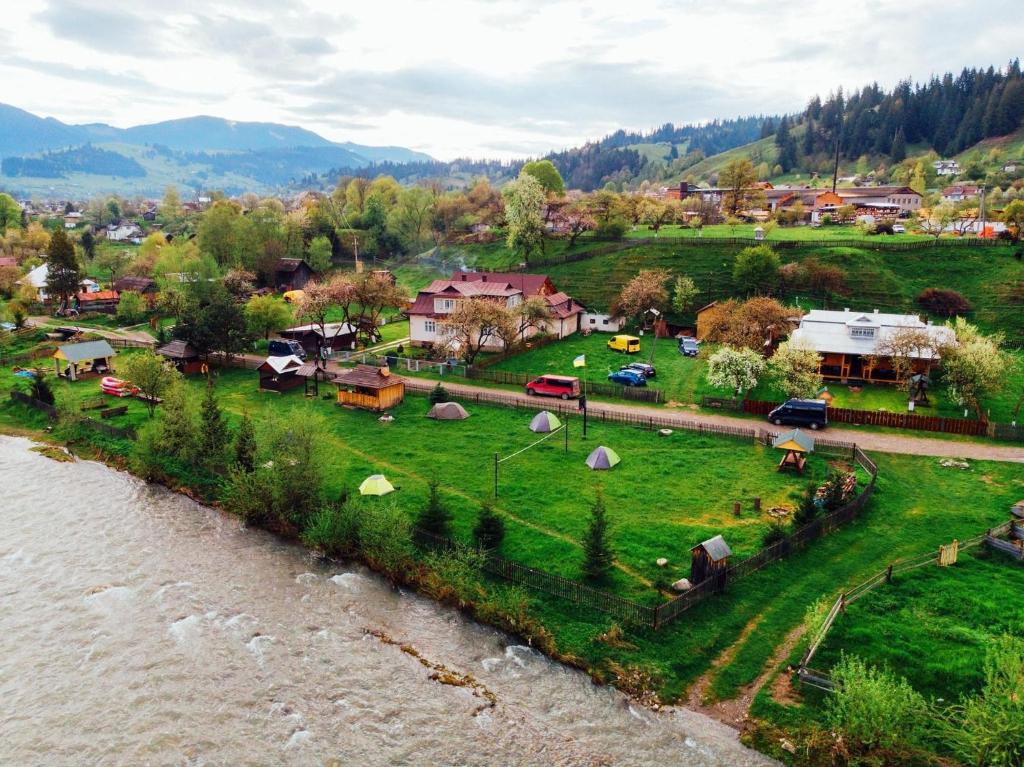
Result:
x=884 y=418
x=90 y=423
x=821 y=679
x=637 y=394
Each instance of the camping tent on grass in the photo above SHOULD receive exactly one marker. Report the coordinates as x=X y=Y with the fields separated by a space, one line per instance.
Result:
x=448 y=411
x=602 y=458
x=376 y=484
x=544 y=422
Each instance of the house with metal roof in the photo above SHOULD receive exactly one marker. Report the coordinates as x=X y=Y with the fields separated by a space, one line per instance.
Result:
x=87 y=359
x=710 y=559
x=849 y=343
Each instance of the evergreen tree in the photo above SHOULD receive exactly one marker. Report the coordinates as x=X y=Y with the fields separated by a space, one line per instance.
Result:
x=245 y=445
x=809 y=137
x=89 y=244
x=438 y=394
x=597 y=553
x=899 y=147
x=435 y=518
x=808 y=509
x=785 y=145
x=490 y=527
x=213 y=439
x=64 y=275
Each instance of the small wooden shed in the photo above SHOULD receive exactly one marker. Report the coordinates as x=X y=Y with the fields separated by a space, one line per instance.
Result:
x=370 y=388
x=87 y=359
x=710 y=560
x=279 y=374
x=185 y=358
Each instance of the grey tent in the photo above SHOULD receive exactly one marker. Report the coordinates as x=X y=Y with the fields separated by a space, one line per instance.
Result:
x=602 y=458
x=544 y=422
x=448 y=411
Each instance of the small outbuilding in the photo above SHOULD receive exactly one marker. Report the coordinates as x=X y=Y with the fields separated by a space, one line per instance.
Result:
x=710 y=560
x=602 y=458
x=334 y=336
x=292 y=274
x=87 y=359
x=183 y=356
x=370 y=388
x=313 y=374
x=448 y=411
x=279 y=374
x=545 y=422
x=797 y=445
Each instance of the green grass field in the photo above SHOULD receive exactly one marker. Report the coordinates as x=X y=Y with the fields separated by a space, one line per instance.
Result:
x=933 y=625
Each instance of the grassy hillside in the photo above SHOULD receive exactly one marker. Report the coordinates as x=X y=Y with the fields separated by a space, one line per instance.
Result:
x=757 y=152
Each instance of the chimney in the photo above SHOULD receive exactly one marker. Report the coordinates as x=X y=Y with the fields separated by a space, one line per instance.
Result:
x=483 y=278
x=462 y=275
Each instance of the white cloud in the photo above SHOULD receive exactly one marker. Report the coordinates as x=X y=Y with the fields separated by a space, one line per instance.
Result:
x=477 y=77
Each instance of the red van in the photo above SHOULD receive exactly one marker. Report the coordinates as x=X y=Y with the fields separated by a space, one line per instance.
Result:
x=555 y=386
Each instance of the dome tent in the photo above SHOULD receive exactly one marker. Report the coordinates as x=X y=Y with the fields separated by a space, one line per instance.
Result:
x=544 y=422
x=602 y=458
x=448 y=411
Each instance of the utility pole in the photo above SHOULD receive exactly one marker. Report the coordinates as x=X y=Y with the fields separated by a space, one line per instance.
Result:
x=981 y=191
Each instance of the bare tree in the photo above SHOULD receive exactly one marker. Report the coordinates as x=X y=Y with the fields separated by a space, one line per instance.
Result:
x=476 y=323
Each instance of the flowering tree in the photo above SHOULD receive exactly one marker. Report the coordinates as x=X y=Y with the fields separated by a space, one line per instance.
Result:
x=795 y=369
x=974 y=367
x=737 y=369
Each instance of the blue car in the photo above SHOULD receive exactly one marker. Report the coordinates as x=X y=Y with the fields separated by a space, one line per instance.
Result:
x=628 y=378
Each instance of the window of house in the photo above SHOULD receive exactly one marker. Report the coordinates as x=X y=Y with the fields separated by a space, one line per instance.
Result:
x=604 y=322
x=862 y=332
x=430 y=326
x=444 y=304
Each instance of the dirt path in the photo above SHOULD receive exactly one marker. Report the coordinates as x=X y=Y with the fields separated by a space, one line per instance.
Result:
x=884 y=443
x=110 y=333
x=736 y=711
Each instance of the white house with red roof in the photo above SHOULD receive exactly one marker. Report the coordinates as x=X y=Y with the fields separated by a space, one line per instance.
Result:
x=439 y=299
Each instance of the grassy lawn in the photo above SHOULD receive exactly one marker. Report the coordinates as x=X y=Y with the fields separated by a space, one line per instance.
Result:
x=933 y=625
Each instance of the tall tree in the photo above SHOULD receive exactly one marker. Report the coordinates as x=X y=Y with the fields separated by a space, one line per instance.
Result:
x=597 y=552
x=739 y=178
x=64 y=274
x=245 y=445
x=474 y=324
x=524 y=204
x=213 y=435
x=547 y=174
x=10 y=213
x=899 y=146
x=645 y=291
x=151 y=373
x=267 y=314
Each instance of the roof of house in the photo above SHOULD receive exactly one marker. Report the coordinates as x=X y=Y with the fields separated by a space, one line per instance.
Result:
x=530 y=284
x=311 y=369
x=829 y=331
x=716 y=548
x=138 y=284
x=424 y=303
x=285 y=364
x=290 y=264
x=84 y=351
x=8 y=261
x=369 y=377
x=562 y=305
x=332 y=329
x=37 y=277
x=99 y=295
x=178 y=350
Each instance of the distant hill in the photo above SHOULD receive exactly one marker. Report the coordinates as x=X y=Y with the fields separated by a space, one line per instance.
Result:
x=46 y=156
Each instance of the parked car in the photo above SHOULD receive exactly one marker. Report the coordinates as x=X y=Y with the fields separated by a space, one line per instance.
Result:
x=899 y=229
x=801 y=412
x=689 y=347
x=284 y=347
x=628 y=377
x=644 y=367
x=625 y=344
x=565 y=387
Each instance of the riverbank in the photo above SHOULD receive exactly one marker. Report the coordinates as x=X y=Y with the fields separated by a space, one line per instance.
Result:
x=200 y=640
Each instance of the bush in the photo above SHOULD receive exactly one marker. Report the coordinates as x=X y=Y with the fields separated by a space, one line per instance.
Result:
x=614 y=230
x=490 y=527
x=435 y=517
x=598 y=556
x=808 y=509
x=333 y=530
x=773 y=534
x=943 y=302
x=873 y=708
x=439 y=394
x=131 y=309
x=39 y=388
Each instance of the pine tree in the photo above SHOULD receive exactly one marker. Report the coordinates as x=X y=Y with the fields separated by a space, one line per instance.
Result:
x=597 y=553
x=809 y=137
x=213 y=439
x=64 y=274
x=245 y=445
x=899 y=146
x=438 y=394
x=490 y=527
x=785 y=145
x=808 y=509
x=435 y=518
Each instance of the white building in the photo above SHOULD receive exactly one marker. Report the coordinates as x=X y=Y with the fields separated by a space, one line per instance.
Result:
x=946 y=167
x=123 y=232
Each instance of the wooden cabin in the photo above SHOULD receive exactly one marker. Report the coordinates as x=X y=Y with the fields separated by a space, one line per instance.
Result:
x=710 y=560
x=88 y=359
x=292 y=274
x=336 y=336
x=370 y=388
x=184 y=358
x=144 y=286
x=279 y=374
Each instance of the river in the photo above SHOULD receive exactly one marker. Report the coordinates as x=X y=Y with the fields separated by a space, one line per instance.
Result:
x=140 y=628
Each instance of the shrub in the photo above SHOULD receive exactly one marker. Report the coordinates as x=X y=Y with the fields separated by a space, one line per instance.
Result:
x=490 y=527
x=435 y=517
x=773 y=534
x=333 y=530
x=439 y=394
x=873 y=708
x=943 y=302
x=614 y=229
x=39 y=388
x=808 y=509
x=756 y=270
x=131 y=309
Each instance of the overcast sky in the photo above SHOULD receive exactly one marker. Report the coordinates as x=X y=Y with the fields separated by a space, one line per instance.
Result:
x=477 y=77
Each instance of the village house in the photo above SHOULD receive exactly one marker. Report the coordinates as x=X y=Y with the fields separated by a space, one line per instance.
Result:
x=144 y=286
x=37 y=280
x=946 y=167
x=849 y=343
x=292 y=274
x=960 y=192
x=279 y=374
x=334 y=336
x=441 y=297
x=878 y=202
x=104 y=301
x=1010 y=166
x=124 y=233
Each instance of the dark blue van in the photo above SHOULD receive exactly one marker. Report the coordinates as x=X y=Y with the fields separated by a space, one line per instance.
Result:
x=812 y=413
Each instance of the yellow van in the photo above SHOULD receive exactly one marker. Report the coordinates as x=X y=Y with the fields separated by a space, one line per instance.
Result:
x=626 y=344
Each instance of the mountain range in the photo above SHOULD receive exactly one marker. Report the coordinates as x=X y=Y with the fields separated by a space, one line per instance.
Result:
x=47 y=156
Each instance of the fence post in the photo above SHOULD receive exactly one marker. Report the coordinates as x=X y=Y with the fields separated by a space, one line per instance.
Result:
x=736 y=508
x=842 y=602
x=495 y=475
x=757 y=505
x=888 y=574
